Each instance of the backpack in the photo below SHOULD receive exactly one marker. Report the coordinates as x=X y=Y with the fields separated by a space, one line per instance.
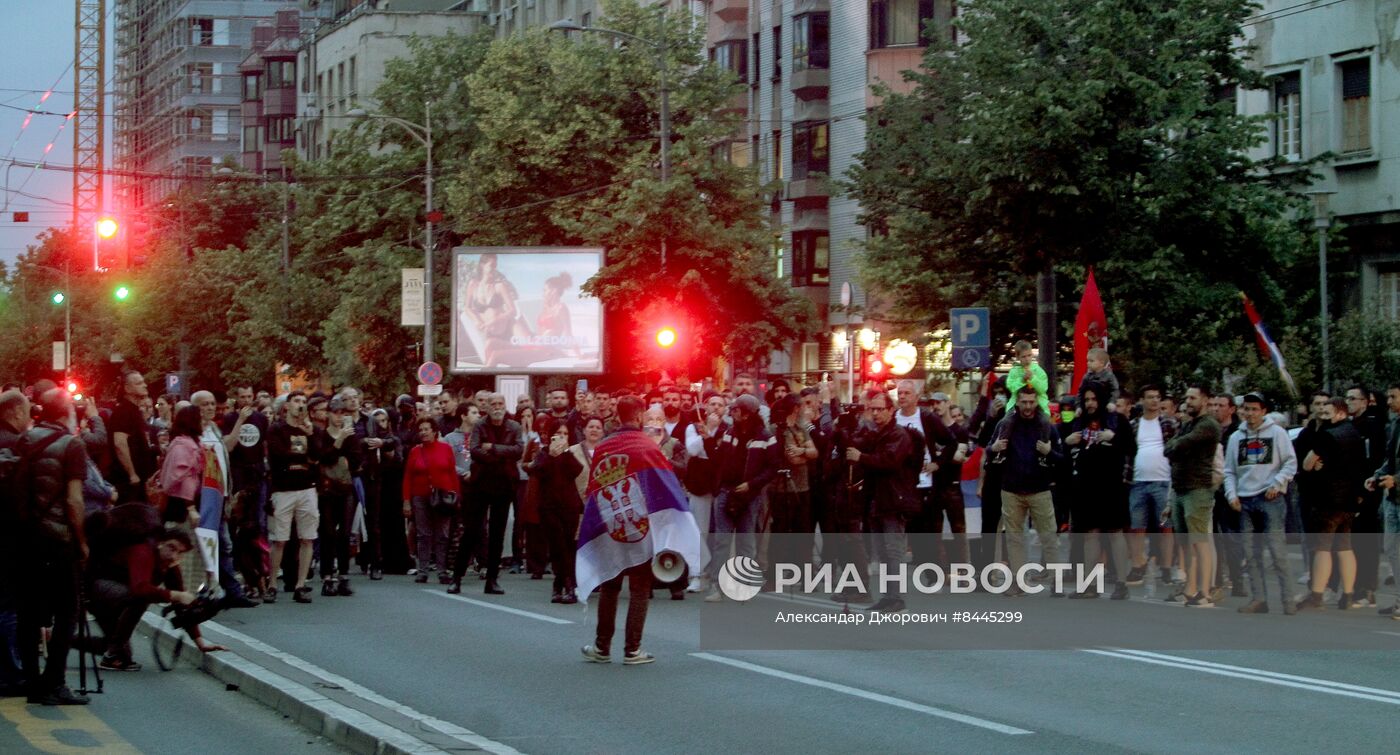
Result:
x=30 y=511
x=121 y=526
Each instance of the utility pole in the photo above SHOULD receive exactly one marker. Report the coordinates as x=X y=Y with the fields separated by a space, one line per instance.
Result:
x=1046 y=325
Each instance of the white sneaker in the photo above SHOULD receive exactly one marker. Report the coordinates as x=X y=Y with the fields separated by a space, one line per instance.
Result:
x=1178 y=575
x=715 y=596
x=696 y=585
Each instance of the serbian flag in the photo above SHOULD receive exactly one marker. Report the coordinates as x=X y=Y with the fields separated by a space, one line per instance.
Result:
x=635 y=509
x=211 y=511
x=1267 y=346
x=1090 y=330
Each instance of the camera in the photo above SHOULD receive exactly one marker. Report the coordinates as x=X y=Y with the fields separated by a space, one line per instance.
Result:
x=204 y=608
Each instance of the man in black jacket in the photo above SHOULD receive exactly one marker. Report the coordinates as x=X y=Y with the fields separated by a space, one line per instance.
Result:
x=495 y=448
x=890 y=462
x=746 y=459
x=1370 y=424
x=1027 y=473
x=1337 y=461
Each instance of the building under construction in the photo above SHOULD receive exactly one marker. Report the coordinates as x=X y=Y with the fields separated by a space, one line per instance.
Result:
x=177 y=89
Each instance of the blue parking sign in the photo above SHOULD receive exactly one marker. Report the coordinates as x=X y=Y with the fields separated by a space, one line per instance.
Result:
x=971 y=326
x=172 y=384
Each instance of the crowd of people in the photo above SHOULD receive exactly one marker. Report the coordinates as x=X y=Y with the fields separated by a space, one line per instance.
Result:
x=102 y=500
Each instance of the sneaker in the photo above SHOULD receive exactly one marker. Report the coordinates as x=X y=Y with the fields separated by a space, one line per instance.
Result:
x=328 y=588
x=302 y=594
x=1177 y=595
x=569 y=598
x=1200 y=600
x=1217 y=594
x=444 y=577
x=375 y=574
x=239 y=601
x=638 y=658
x=1136 y=575
x=1392 y=610
x=1254 y=606
x=1178 y=574
x=1120 y=592
x=1290 y=609
x=1164 y=575
x=421 y=579
x=1364 y=600
x=60 y=696
x=695 y=585
x=714 y=596
x=270 y=596
x=111 y=662
x=592 y=655
x=344 y=588
x=412 y=572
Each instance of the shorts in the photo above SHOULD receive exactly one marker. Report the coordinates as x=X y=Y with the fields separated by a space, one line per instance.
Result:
x=299 y=503
x=1330 y=531
x=1148 y=503
x=1193 y=513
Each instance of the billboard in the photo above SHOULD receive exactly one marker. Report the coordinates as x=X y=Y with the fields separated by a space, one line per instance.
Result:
x=519 y=310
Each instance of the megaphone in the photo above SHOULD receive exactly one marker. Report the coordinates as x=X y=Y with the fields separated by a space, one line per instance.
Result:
x=667 y=567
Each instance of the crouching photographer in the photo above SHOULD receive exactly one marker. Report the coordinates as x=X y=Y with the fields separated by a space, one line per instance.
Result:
x=134 y=577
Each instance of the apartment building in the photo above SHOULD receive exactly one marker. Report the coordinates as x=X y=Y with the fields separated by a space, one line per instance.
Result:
x=177 y=100
x=1334 y=89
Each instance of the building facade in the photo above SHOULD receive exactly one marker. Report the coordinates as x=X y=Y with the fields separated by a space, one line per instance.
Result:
x=1334 y=90
x=178 y=99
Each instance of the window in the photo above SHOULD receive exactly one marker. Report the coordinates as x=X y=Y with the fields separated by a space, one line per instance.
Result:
x=252 y=87
x=587 y=19
x=216 y=84
x=352 y=79
x=201 y=77
x=252 y=138
x=281 y=74
x=777 y=53
x=1356 y=105
x=280 y=129
x=778 y=254
x=809 y=149
x=197 y=122
x=756 y=45
x=811 y=258
x=201 y=31
x=811 y=44
x=732 y=56
x=897 y=23
x=1288 y=116
x=777 y=156
x=221 y=31
x=1389 y=295
x=811 y=357
x=219 y=123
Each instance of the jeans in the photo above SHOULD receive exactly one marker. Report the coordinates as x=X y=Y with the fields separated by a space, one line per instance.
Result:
x=1227 y=524
x=738 y=530
x=889 y=534
x=476 y=511
x=1264 y=524
x=430 y=529
x=118 y=613
x=1390 y=520
x=638 y=595
x=227 y=580
x=559 y=528
x=701 y=506
x=1015 y=507
x=1148 y=503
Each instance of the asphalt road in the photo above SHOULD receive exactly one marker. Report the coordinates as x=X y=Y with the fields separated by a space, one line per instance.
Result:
x=508 y=672
x=180 y=711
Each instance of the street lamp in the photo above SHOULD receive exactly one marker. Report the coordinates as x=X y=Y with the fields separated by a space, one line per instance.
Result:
x=424 y=134
x=1322 y=221
x=659 y=47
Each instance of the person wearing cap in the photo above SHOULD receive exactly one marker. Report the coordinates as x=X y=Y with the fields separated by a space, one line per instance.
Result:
x=746 y=459
x=1259 y=464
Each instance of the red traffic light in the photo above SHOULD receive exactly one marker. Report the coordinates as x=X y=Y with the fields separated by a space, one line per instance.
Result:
x=72 y=386
x=666 y=337
x=875 y=367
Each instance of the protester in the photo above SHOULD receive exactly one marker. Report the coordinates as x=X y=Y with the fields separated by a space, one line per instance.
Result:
x=1026 y=478
x=1192 y=454
x=1259 y=464
x=557 y=471
x=432 y=493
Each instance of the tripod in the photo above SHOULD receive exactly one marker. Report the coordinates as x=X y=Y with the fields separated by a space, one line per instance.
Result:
x=87 y=651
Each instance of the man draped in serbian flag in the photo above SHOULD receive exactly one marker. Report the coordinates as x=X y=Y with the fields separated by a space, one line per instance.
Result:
x=635 y=510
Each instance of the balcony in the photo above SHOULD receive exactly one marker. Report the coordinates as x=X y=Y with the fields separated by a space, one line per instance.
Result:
x=730 y=10
x=811 y=83
x=806 y=189
x=887 y=65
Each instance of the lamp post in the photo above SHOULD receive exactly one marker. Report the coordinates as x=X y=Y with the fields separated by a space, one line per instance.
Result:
x=1322 y=221
x=658 y=46
x=424 y=134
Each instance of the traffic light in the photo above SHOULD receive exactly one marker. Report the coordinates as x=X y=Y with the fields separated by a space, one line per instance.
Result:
x=874 y=367
x=666 y=337
x=72 y=386
x=57 y=297
x=121 y=293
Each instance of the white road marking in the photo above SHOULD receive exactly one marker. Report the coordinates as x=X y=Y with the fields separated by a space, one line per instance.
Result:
x=1257 y=675
x=452 y=730
x=497 y=607
x=963 y=718
x=1392 y=634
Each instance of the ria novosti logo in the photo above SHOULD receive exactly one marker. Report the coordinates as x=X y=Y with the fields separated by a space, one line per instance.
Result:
x=741 y=578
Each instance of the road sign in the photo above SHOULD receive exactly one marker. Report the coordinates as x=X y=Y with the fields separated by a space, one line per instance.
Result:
x=172 y=384
x=413 y=299
x=972 y=326
x=60 y=356
x=430 y=373
x=429 y=390
x=972 y=358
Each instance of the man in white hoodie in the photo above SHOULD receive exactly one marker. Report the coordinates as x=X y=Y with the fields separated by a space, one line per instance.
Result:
x=1259 y=464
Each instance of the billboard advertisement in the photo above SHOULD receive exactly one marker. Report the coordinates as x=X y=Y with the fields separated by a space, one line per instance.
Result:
x=519 y=310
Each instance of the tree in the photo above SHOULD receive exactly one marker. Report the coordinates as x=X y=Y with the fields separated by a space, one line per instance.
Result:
x=570 y=144
x=1065 y=134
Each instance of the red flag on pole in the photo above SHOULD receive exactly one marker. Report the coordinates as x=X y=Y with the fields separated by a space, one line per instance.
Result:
x=1090 y=329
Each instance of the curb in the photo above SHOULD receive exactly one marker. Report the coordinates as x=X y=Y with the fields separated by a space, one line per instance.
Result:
x=338 y=723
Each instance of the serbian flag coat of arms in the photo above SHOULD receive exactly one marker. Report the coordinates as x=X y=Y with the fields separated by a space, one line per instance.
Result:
x=635 y=510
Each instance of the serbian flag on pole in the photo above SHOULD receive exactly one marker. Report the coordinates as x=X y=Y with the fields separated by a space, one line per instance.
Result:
x=1267 y=346
x=635 y=509
x=211 y=511
x=1090 y=329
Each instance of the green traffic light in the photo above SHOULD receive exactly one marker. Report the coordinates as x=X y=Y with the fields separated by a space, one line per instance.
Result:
x=122 y=292
x=58 y=297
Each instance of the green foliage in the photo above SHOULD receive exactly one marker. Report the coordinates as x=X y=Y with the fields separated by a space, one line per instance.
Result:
x=1365 y=350
x=1067 y=134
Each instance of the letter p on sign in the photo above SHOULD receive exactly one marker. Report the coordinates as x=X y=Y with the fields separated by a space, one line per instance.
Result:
x=971 y=327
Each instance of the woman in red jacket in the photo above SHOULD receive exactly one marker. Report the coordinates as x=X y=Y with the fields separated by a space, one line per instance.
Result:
x=431 y=468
